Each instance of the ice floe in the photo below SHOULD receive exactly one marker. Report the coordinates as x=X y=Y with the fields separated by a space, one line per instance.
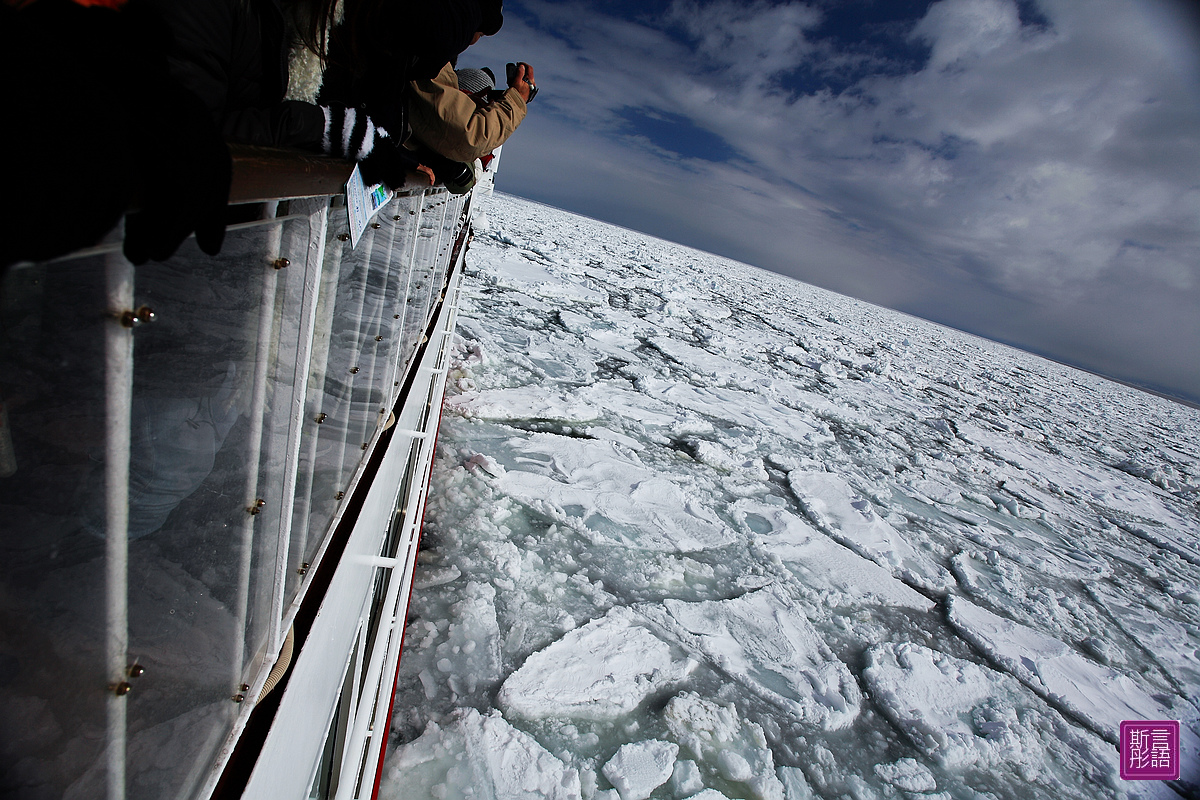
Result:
x=810 y=542
x=602 y=670
x=477 y=756
x=764 y=641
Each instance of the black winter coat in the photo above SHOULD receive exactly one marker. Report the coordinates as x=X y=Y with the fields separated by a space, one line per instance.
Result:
x=233 y=55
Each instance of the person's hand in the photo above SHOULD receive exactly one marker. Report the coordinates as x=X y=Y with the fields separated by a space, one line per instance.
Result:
x=522 y=81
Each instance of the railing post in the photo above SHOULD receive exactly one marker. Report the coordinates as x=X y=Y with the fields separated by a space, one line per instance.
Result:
x=118 y=398
x=262 y=357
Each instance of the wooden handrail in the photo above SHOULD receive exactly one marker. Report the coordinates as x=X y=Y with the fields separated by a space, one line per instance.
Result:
x=267 y=173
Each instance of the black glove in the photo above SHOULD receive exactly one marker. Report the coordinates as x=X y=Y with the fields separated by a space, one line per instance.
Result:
x=457 y=176
x=388 y=163
x=191 y=162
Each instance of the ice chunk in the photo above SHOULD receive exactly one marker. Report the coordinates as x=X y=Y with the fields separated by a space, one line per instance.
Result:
x=848 y=517
x=612 y=496
x=523 y=402
x=638 y=768
x=600 y=671
x=823 y=564
x=795 y=785
x=764 y=641
x=733 y=748
x=746 y=409
x=932 y=697
x=477 y=756
x=1099 y=695
x=963 y=715
x=907 y=774
x=685 y=778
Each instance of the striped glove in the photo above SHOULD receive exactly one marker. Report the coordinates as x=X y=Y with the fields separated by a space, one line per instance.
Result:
x=349 y=133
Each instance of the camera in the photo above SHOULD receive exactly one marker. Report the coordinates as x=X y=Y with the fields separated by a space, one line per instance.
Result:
x=511 y=71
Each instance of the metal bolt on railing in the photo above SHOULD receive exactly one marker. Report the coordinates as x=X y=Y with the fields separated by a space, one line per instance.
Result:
x=121 y=689
x=321 y=418
x=343 y=237
x=135 y=670
x=281 y=263
x=142 y=316
x=257 y=507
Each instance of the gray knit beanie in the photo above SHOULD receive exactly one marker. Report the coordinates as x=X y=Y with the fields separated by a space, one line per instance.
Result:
x=475 y=80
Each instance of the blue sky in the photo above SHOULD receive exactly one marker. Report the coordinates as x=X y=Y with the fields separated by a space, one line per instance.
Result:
x=1028 y=171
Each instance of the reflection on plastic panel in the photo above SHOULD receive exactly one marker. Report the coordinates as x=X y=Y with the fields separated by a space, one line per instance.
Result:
x=52 y=505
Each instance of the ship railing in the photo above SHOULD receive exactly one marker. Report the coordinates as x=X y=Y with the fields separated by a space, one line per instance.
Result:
x=209 y=463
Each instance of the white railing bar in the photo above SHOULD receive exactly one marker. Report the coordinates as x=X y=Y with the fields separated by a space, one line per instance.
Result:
x=314 y=252
x=348 y=782
x=266 y=321
x=323 y=338
x=118 y=398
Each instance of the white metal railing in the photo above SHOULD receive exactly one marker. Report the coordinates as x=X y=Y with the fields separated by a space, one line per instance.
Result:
x=236 y=428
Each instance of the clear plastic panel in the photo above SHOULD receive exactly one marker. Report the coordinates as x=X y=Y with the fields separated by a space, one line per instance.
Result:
x=210 y=404
x=357 y=347
x=420 y=285
x=52 y=460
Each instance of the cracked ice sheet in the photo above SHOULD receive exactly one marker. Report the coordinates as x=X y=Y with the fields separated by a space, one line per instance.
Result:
x=607 y=494
x=764 y=641
x=968 y=717
x=824 y=565
x=541 y=282
x=849 y=518
x=1100 y=696
x=1096 y=483
x=738 y=407
x=600 y=671
x=479 y=757
x=522 y=402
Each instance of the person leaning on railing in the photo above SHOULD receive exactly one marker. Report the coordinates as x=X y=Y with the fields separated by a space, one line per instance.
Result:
x=378 y=77
x=108 y=100
x=95 y=125
x=464 y=123
x=234 y=55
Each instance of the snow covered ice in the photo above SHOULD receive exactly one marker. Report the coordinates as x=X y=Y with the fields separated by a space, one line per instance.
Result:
x=701 y=531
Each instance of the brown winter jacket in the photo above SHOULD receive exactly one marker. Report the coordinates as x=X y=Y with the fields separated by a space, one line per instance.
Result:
x=449 y=122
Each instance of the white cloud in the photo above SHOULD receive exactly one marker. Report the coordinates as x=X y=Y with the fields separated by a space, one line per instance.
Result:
x=965 y=29
x=1055 y=165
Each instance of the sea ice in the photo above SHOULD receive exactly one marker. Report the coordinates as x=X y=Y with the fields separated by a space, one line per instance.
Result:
x=822 y=564
x=764 y=641
x=638 y=768
x=731 y=749
x=477 y=756
x=600 y=671
x=967 y=717
x=610 y=495
x=701 y=460
x=850 y=518
x=1099 y=695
